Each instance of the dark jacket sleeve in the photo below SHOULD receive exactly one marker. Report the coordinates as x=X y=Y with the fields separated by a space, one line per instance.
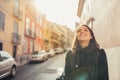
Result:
x=102 y=66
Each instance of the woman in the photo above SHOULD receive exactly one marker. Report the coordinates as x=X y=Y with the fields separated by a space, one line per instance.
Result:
x=86 y=61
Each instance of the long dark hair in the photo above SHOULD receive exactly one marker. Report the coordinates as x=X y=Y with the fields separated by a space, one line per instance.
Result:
x=92 y=41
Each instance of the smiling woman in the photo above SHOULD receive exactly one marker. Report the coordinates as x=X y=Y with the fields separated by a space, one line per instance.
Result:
x=86 y=61
x=83 y=36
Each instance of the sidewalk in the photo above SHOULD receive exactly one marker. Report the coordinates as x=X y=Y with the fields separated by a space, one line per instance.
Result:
x=21 y=63
x=22 y=60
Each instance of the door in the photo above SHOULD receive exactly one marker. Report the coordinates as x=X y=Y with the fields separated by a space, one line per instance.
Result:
x=1 y=46
x=14 y=51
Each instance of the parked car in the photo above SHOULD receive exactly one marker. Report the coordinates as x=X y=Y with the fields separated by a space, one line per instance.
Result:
x=7 y=65
x=51 y=53
x=59 y=50
x=68 y=49
x=38 y=56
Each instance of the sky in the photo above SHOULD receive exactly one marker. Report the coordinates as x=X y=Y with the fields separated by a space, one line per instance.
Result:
x=63 y=12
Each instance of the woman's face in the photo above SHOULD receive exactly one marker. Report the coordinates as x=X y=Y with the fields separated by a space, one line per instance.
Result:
x=83 y=34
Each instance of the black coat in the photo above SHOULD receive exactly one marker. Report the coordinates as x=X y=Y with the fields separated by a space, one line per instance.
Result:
x=87 y=65
x=102 y=66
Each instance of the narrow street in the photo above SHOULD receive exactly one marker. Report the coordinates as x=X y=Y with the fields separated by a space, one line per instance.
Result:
x=47 y=70
x=36 y=27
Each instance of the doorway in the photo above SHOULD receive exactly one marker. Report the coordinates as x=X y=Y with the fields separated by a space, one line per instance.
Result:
x=14 y=51
x=1 y=45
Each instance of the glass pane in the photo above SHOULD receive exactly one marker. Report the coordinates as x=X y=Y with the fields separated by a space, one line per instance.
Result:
x=2 y=16
x=2 y=26
x=5 y=55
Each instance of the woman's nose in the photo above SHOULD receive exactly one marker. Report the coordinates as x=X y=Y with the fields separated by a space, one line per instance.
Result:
x=82 y=31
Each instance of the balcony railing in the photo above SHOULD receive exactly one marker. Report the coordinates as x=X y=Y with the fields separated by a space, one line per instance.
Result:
x=17 y=13
x=33 y=35
x=53 y=37
x=16 y=38
x=30 y=34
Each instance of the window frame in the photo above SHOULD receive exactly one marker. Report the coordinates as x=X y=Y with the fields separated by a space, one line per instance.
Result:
x=2 y=20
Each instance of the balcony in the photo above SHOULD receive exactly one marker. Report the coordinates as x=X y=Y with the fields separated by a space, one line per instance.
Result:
x=16 y=38
x=54 y=39
x=17 y=13
x=33 y=35
x=30 y=34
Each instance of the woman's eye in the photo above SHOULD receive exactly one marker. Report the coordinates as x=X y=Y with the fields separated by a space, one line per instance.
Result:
x=86 y=30
x=78 y=31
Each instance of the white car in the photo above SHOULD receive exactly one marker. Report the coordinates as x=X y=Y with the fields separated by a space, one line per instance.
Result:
x=51 y=53
x=59 y=50
x=38 y=56
x=7 y=65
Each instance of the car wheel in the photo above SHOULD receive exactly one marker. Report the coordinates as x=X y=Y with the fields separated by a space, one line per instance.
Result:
x=13 y=72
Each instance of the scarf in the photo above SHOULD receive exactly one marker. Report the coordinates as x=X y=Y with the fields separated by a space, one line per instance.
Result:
x=86 y=59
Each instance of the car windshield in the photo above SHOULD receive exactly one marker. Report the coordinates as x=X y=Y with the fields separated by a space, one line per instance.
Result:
x=40 y=52
x=36 y=52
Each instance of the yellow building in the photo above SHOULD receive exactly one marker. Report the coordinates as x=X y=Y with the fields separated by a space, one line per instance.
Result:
x=68 y=36
x=11 y=26
x=54 y=39
x=51 y=36
x=56 y=35
x=46 y=34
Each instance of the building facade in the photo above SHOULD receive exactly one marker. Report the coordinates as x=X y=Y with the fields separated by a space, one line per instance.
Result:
x=11 y=26
x=21 y=28
x=33 y=30
x=69 y=35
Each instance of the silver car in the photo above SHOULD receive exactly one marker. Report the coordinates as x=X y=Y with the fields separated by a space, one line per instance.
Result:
x=51 y=53
x=38 y=56
x=7 y=65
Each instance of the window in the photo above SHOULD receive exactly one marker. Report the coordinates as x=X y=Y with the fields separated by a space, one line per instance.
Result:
x=2 y=20
x=25 y=46
x=37 y=18
x=37 y=32
x=32 y=29
x=36 y=48
x=40 y=21
x=4 y=55
x=15 y=27
x=17 y=4
x=27 y=25
x=1 y=45
x=31 y=46
x=17 y=7
x=15 y=33
x=40 y=35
